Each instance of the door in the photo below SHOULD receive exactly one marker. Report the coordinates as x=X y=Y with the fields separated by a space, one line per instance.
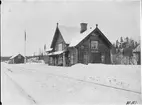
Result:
x=83 y=57
x=96 y=57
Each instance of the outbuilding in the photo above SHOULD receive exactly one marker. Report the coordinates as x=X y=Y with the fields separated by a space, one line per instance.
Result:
x=16 y=59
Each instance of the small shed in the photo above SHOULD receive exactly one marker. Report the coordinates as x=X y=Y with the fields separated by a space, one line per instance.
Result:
x=137 y=54
x=16 y=59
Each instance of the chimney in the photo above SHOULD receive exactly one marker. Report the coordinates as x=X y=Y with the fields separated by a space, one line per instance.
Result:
x=83 y=27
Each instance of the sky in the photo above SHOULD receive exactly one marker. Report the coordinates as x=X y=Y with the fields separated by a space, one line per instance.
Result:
x=38 y=18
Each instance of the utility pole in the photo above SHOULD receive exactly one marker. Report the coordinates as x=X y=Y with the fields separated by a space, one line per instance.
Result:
x=25 y=46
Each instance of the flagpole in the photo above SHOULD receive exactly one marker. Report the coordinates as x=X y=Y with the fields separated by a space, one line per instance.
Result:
x=25 y=46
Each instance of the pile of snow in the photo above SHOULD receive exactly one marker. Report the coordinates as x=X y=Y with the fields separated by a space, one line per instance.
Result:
x=35 y=60
x=32 y=59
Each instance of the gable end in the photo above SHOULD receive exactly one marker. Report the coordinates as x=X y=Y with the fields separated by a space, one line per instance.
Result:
x=96 y=30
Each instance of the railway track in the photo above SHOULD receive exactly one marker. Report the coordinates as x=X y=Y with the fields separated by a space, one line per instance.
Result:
x=81 y=80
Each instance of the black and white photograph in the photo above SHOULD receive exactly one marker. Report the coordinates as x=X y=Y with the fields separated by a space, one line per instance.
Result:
x=71 y=52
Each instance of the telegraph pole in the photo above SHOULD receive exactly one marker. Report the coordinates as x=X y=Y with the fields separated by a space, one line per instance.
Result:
x=25 y=46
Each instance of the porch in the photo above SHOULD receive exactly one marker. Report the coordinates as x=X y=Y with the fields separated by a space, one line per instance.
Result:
x=59 y=58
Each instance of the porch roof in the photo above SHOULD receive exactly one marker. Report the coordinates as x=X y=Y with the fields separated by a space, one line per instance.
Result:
x=48 y=49
x=56 y=53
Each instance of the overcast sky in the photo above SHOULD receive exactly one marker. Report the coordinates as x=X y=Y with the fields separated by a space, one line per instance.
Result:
x=39 y=18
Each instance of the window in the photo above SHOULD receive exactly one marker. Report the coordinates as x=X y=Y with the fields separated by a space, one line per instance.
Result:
x=60 y=46
x=94 y=45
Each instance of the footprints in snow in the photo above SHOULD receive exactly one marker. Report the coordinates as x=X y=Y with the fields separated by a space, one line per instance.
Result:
x=108 y=81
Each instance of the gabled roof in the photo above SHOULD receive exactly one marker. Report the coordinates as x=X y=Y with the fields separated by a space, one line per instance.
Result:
x=67 y=33
x=72 y=35
x=81 y=36
x=13 y=56
x=55 y=37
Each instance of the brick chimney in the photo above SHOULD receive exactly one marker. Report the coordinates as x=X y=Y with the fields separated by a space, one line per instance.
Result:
x=83 y=27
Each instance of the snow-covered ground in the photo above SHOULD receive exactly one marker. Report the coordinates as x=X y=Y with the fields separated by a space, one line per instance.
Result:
x=80 y=84
x=12 y=93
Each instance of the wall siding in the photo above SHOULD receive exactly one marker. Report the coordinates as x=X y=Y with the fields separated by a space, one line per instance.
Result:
x=102 y=50
x=16 y=60
x=60 y=40
x=73 y=52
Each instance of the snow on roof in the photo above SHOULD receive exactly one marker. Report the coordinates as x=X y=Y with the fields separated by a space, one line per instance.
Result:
x=13 y=56
x=48 y=49
x=68 y=32
x=80 y=36
x=137 y=49
x=56 y=53
x=72 y=35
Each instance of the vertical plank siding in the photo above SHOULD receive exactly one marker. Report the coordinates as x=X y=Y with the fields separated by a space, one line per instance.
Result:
x=86 y=56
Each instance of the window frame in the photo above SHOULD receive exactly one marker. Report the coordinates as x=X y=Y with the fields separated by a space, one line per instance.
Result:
x=95 y=46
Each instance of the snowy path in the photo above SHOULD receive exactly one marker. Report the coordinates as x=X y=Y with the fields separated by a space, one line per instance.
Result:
x=12 y=93
x=53 y=87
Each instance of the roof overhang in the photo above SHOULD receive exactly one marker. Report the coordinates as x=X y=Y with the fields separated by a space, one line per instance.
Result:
x=56 y=53
x=50 y=49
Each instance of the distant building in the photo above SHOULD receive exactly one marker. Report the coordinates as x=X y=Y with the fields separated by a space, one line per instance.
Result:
x=16 y=59
x=4 y=58
x=45 y=56
x=70 y=46
x=137 y=54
